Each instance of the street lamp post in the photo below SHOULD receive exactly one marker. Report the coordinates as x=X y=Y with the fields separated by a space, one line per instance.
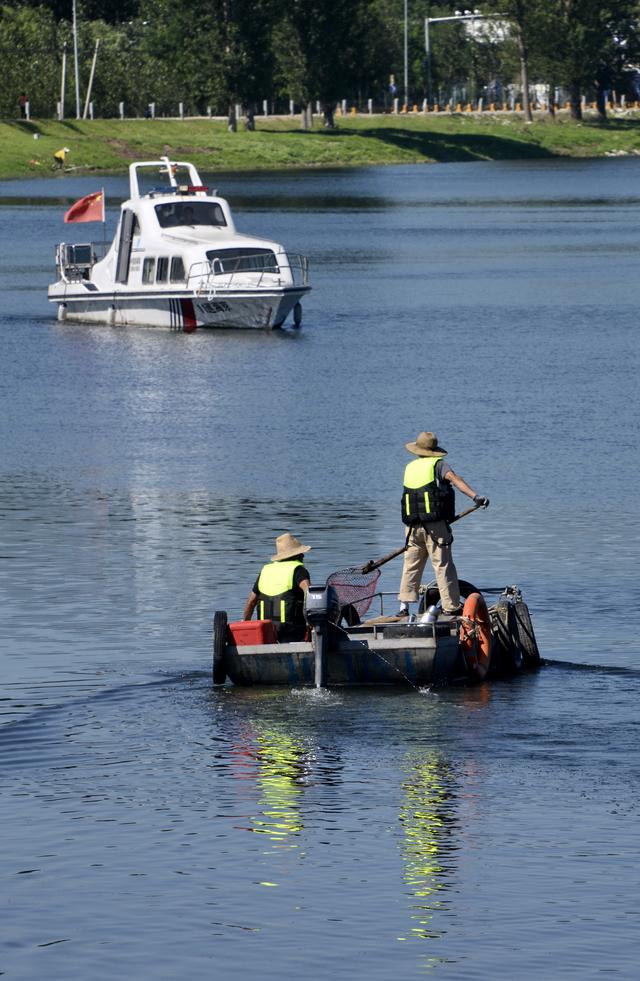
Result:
x=467 y=15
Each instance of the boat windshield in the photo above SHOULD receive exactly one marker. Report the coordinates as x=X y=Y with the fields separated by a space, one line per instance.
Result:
x=181 y=213
x=242 y=260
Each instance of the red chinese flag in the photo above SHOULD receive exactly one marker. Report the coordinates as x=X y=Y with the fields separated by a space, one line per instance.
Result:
x=89 y=208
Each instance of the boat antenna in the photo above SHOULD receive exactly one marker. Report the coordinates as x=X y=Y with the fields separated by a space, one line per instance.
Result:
x=170 y=171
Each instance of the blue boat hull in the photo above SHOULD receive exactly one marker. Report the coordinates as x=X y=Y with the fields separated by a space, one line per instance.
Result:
x=417 y=661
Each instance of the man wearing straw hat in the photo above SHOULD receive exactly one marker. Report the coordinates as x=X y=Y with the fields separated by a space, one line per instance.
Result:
x=280 y=589
x=428 y=506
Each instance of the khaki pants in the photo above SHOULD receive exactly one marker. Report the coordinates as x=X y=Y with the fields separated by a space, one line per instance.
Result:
x=432 y=542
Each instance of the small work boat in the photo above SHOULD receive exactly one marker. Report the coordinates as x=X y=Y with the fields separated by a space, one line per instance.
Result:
x=177 y=261
x=429 y=649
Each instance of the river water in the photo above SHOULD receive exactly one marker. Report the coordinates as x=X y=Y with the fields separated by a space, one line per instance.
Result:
x=155 y=827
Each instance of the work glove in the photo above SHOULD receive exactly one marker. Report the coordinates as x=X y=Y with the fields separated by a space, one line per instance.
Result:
x=482 y=502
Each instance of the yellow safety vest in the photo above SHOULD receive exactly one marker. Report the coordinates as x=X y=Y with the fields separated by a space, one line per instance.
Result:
x=424 y=498
x=277 y=597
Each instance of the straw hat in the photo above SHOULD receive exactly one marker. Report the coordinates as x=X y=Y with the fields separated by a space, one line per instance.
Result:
x=426 y=444
x=288 y=546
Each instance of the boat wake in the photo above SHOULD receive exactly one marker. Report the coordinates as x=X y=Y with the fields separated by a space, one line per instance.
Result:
x=602 y=669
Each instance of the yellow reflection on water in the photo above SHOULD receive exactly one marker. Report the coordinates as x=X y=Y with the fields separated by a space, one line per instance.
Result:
x=281 y=768
x=427 y=819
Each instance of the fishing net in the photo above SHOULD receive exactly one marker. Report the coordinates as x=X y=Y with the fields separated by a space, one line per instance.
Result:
x=355 y=588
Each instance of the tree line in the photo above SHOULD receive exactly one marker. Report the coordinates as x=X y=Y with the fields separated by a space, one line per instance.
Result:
x=210 y=56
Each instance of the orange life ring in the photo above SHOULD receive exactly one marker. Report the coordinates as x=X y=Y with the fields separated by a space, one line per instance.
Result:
x=475 y=636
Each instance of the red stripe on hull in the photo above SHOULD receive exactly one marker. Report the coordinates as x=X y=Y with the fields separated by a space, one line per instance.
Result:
x=189 y=322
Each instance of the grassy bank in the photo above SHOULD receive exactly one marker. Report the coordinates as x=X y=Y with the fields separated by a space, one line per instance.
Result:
x=110 y=145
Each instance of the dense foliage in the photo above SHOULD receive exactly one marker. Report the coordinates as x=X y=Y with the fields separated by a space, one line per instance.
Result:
x=224 y=52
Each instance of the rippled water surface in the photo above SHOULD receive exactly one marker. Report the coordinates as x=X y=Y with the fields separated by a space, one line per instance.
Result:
x=156 y=827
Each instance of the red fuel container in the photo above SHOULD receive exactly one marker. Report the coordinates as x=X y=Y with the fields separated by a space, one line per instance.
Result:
x=246 y=632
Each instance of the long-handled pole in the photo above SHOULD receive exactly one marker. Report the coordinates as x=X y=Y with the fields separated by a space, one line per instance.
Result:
x=376 y=563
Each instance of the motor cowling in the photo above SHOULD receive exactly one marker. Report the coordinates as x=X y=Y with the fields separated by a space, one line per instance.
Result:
x=321 y=606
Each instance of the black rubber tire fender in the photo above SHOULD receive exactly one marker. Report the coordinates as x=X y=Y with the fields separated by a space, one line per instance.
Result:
x=432 y=595
x=526 y=636
x=220 y=631
x=508 y=649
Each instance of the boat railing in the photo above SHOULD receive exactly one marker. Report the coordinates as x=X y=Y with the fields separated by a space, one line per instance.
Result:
x=255 y=272
x=74 y=262
x=377 y=599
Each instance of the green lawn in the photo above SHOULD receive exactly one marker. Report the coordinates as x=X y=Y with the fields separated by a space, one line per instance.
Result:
x=110 y=145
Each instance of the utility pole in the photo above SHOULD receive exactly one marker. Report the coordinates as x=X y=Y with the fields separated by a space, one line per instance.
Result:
x=63 y=79
x=406 y=54
x=75 y=59
x=427 y=52
x=93 y=70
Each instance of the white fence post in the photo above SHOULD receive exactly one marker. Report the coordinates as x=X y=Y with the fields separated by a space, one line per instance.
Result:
x=395 y=106
x=265 y=107
x=91 y=109
x=121 y=109
x=291 y=108
x=181 y=110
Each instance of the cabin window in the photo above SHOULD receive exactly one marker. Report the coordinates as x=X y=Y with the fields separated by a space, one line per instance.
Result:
x=188 y=213
x=177 y=270
x=242 y=260
x=148 y=267
x=162 y=270
x=79 y=255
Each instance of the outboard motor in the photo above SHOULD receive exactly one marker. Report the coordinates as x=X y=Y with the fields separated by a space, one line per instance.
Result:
x=322 y=612
x=321 y=606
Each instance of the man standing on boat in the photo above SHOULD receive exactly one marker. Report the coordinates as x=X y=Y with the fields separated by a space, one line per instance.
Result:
x=428 y=505
x=280 y=589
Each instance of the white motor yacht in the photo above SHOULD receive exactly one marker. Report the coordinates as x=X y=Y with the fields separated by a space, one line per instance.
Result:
x=177 y=261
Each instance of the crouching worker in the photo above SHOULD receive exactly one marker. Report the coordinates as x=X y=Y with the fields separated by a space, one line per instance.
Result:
x=280 y=589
